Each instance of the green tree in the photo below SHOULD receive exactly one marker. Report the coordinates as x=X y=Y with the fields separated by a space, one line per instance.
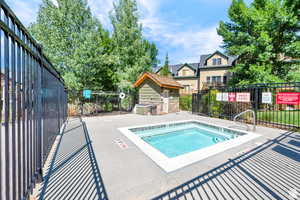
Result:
x=76 y=43
x=134 y=54
x=165 y=69
x=262 y=34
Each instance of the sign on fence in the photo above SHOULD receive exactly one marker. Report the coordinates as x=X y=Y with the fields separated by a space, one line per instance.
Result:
x=225 y=96
x=219 y=97
x=291 y=98
x=87 y=94
x=231 y=97
x=266 y=97
x=222 y=96
x=243 y=97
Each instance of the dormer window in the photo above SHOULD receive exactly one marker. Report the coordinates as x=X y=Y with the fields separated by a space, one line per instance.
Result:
x=217 y=61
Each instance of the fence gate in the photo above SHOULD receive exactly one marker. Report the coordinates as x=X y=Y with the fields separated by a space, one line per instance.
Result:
x=33 y=106
x=275 y=104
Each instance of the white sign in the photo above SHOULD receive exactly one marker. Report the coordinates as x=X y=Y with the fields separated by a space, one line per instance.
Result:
x=122 y=95
x=222 y=96
x=243 y=97
x=266 y=97
x=225 y=96
x=219 y=97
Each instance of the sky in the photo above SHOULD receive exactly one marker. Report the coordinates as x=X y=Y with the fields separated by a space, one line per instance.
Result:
x=184 y=29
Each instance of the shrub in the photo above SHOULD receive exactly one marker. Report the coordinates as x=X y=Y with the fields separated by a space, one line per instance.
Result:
x=185 y=102
x=210 y=105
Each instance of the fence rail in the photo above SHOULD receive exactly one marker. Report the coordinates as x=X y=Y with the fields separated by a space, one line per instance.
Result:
x=33 y=107
x=275 y=104
x=101 y=102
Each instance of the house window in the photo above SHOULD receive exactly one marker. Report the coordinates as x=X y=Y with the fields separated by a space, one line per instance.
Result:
x=208 y=79
x=217 y=61
x=216 y=79
x=225 y=79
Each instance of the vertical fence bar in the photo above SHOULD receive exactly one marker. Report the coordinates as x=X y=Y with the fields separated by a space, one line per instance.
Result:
x=6 y=110
x=13 y=112
x=1 y=103
x=19 y=117
x=24 y=144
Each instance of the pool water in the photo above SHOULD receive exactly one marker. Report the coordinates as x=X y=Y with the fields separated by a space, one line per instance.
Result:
x=178 y=139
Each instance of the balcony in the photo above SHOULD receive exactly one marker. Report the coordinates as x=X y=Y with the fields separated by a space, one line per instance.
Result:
x=207 y=85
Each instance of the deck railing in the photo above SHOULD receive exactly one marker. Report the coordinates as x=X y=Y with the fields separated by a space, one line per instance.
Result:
x=33 y=107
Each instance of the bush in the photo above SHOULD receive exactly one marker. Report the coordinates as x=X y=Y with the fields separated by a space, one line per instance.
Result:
x=185 y=102
x=210 y=105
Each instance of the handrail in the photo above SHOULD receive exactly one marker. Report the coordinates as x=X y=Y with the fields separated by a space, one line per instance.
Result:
x=246 y=111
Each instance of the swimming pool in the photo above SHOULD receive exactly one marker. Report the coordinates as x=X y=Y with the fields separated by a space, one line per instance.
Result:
x=177 y=144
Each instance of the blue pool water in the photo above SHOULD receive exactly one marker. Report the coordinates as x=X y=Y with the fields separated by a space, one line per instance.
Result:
x=177 y=139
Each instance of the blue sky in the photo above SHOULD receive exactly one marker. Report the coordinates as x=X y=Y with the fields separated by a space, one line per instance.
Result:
x=183 y=28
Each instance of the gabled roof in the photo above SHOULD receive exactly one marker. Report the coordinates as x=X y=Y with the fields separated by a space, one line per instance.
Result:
x=162 y=81
x=192 y=66
x=175 y=68
x=216 y=52
x=205 y=57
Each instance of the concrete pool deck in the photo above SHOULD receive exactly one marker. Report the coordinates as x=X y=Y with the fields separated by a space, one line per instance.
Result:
x=128 y=174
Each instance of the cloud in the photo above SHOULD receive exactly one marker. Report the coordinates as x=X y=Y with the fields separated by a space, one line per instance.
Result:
x=184 y=42
x=101 y=9
x=193 y=43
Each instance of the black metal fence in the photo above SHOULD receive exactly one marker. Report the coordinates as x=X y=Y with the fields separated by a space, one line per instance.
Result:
x=275 y=104
x=101 y=102
x=33 y=107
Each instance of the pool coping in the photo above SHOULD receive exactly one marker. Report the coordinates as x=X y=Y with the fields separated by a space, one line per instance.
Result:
x=172 y=164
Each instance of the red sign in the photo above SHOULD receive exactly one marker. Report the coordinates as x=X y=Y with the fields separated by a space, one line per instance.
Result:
x=291 y=98
x=243 y=97
x=232 y=97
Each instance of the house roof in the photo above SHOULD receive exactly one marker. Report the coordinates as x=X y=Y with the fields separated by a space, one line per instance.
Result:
x=201 y=64
x=162 y=81
x=175 y=68
x=205 y=57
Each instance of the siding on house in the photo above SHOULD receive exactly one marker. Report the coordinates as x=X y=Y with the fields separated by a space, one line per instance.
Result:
x=149 y=93
x=192 y=83
x=173 y=101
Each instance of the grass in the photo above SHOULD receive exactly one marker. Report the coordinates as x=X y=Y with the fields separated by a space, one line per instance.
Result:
x=283 y=117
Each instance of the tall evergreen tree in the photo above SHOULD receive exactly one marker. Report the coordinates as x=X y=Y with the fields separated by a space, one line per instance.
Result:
x=134 y=54
x=262 y=34
x=76 y=43
x=165 y=69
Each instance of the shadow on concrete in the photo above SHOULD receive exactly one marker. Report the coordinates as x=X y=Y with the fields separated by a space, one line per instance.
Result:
x=270 y=171
x=73 y=172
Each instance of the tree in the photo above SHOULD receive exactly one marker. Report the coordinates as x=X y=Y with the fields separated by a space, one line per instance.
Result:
x=261 y=34
x=165 y=69
x=76 y=44
x=134 y=54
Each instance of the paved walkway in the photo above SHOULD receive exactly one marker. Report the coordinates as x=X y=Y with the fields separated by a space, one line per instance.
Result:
x=73 y=172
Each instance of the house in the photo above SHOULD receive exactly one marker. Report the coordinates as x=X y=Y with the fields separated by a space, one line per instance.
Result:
x=211 y=70
x=163 y=92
